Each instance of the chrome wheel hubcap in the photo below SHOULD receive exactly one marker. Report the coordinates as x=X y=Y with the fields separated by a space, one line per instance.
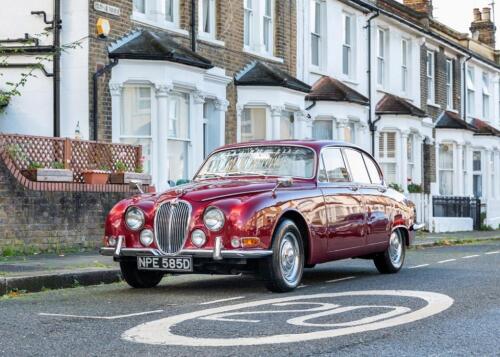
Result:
x=289 y=258
x=396 y=250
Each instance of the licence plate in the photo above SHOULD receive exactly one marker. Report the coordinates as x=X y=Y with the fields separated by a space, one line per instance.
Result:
x=184 y=264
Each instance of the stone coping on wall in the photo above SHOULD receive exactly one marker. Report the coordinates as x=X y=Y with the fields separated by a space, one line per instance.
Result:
x=59 y=186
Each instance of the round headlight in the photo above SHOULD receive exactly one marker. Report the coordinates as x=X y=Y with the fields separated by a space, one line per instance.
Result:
x=146 y=237
x=134 y=218
x=214 y=219
x=198 y=238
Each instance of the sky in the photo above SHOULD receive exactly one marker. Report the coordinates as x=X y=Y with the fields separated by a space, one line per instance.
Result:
x=458 y=13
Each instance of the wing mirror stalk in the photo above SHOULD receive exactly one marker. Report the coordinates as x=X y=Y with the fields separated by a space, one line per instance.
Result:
x=136 y=184
x=282 y=182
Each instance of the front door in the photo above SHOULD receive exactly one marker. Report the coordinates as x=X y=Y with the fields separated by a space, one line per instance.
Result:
x=344 y=203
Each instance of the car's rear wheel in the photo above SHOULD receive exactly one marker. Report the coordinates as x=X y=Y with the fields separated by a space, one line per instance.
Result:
x=139 y=279
x=392 y=259
x=283 y=270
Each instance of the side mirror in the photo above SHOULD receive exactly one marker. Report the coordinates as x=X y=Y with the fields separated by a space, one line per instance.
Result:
x=282 y=182
x=136 y=184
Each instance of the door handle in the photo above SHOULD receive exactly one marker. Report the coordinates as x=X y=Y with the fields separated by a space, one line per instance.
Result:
x=382 y=189
x=354 y=188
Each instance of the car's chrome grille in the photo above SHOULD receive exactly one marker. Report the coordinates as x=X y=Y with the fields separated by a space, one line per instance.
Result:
x=171 y=223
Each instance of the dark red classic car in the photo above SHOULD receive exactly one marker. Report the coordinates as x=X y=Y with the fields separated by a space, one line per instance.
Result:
x=271 y=208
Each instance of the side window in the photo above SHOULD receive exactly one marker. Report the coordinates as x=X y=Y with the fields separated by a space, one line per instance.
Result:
x=357 y=165
x=372 y=170
x=335 y=169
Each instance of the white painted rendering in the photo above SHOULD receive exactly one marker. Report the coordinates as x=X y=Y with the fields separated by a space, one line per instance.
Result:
x=451 y=224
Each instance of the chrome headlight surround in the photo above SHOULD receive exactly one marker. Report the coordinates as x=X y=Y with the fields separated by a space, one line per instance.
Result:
x=214 y=219
x=134 y=218
x=147 y=237
x=198 y=238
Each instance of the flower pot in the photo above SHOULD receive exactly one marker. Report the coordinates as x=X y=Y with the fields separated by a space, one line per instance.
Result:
x=49 y=175
x=127 y=177
x=96 y=177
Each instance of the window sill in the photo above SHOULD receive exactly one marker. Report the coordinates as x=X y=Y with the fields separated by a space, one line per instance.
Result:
x=263 y=55
x=317 y=70
x=452 y=110
x=432 y=104
x=164 y=25
x=349 y=80
x=210 y=41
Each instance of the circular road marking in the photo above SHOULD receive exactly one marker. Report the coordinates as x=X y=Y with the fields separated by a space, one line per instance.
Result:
x=159 y=332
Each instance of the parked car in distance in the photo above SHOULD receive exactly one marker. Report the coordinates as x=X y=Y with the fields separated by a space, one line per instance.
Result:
x=271 y=208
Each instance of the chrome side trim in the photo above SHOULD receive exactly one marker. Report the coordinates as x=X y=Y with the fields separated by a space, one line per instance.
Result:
x=417 y=226
x=197 y=253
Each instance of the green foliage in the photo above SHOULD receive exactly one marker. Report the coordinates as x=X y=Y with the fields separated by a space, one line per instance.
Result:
x=415 y=188
x=121 y=166
x=484 y=226
x=57 y=165
x=34 y=165
x=16 y=153
x=396 y=187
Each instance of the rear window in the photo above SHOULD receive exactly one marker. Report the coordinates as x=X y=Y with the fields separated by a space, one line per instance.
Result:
x=357 y=166
x=372 y=170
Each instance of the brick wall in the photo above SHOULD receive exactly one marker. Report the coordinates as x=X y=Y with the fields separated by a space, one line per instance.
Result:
x=230 y=57
x=50 y=221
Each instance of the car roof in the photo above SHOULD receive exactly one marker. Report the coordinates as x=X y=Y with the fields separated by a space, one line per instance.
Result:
x=316 y=145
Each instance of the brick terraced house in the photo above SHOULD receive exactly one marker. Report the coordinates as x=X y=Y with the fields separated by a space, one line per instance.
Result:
x=181 y=81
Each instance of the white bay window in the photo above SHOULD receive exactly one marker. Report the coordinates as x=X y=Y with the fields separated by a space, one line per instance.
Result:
x=446 y=169
x=287 y=127
x=253 y=124
x=178 y=135
x=135 y=123
x=387 y=156
x=323 y=129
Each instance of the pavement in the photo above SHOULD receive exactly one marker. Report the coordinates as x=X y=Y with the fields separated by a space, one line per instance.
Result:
x=40 y=272
x=444 y=302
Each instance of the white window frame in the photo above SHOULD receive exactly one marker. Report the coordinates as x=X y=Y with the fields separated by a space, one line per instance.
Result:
x=248 y=19
x=405 y=60
x=155 y=15
x=471 y=91
x=268 y=22
x=348 y=46
x=449 y=83
x=333 y=133
x=431 y=76
x=314 y=33
x=486 y=98
x=211 y=34
x=139 y=14
x=442 y=170
x=479 y=172
x=382 y=50
x=410 y=157
x=383 y=154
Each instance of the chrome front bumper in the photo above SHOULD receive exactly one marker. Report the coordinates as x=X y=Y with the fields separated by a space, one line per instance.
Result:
x=217 y=253
x=417 y=226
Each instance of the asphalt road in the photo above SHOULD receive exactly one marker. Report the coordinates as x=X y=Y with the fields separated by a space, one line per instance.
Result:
x=450 y=307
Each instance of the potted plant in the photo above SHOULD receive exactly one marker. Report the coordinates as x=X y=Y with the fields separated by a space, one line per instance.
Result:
x=414 y=188
x=55 y=173
x=96 y=177
x=124 y=176
x=4 y=101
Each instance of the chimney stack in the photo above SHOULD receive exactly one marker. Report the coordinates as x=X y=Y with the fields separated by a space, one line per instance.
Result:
x=424 y=6
x=482 y=28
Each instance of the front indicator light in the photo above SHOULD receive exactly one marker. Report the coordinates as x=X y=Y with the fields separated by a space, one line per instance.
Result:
x=112 y=241
x=198 y=238
x=250 y=242
x=146 y=237
x=235 y=242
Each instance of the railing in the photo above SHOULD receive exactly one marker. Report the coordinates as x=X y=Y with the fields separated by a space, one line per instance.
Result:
x=76 y=155
x=453 y=206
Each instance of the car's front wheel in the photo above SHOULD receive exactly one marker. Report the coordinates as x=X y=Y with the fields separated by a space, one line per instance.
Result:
x=283 y=270
x=392 y=259
x=139 y=279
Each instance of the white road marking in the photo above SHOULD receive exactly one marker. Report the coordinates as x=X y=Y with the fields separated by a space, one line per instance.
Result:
x=103 y=317
x=302 y=286
x=495 y=252
x=446 y=261
x=160 y=332
x=470 y=256
x=419 y=266
x=340 y=279
x=221 y=300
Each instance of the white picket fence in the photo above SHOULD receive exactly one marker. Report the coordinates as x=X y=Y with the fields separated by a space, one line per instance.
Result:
x=423 y=207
